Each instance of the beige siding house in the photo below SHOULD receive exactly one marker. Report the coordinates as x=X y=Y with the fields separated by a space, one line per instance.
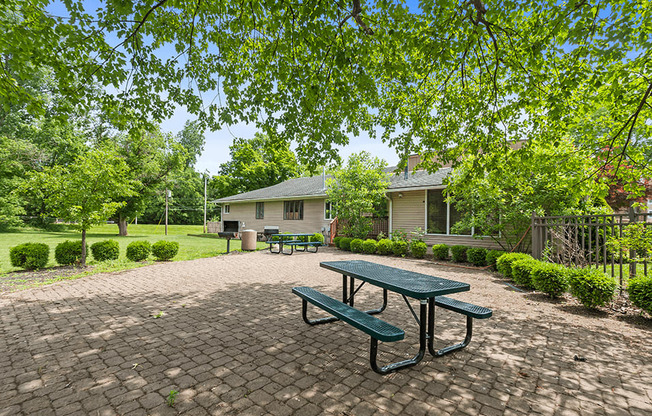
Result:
x=416 y=201
x=297 y=205
x=300 y=205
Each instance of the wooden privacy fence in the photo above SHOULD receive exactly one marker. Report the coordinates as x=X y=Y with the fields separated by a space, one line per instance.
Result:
x=583 y=240
x=380 y=225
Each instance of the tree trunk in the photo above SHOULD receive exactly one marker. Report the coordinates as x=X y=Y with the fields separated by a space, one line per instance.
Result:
x=122 y=226
x=83 y=253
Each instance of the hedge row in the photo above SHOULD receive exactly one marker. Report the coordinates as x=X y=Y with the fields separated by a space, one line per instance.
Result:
x=34 y=256
x=591 y=287
x=417 y=248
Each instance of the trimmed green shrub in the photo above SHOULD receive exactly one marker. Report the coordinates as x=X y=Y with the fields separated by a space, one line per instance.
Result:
x=550 y=278
x=440 y=251
x=165 y=250
x=30 y=256
x=138 y=250
x=317 y=238
x=458 y=253
x=492 y=257
x=522 y=271
x=106 y=250
x=592 y=287
x=356 y=245
x=336 y=241
x=418 y=248
x=640 y=293
x=345 y=243
x=370 y=246
x=399 y=247
x=504 y=262
x=384 y=246
x=68 y=252
x=477 y=256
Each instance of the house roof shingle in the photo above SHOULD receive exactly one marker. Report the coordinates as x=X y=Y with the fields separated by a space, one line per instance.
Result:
x=314 y=186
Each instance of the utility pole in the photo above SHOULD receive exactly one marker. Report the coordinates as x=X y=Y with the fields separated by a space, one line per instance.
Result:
x=205 y=182
x=166 y=211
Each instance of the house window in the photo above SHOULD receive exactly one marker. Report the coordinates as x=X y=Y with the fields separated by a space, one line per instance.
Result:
x=441 y=216
x=329 y=211
x=293 y=210
x=226 y=209
x=260 y=210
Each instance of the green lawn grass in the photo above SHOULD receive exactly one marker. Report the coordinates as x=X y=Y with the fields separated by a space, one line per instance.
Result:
x=190 y=247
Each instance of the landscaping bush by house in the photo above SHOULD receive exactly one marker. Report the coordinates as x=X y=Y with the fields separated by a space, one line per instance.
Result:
x=356 y=245
x=138 y=250
x=345 y=243
x=458 y=253
x=370 y=246
x=492 y=257
x=477 y=256
x=68 y=252
x=592 y=287
x=440 y=251
x=165 y=250
x=30 y=256
x=399 y=247
x=317 y=238
x=550 y=278
x=640 y=293
x=504 y=262
x=384 y=246
x=336 y=241
x=106 y=250
x=418 y=248
x=522 y=271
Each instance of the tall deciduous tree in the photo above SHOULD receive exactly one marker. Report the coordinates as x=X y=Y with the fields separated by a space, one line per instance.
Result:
x=540 y=177
x=86 y=193
x=469 y=73
x=151 y=157
x=255 y=163
x=356 y=190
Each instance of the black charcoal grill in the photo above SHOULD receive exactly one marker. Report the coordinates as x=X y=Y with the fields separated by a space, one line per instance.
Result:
x=228 y=235
x=270 y=230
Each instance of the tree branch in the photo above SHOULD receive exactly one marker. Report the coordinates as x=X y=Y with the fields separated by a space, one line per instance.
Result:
x=355 y=14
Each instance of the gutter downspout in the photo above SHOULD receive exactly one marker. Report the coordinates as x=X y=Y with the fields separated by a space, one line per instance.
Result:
x=389 y=226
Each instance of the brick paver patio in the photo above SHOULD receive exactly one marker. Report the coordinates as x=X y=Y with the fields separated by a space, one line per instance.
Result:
x=231 y=341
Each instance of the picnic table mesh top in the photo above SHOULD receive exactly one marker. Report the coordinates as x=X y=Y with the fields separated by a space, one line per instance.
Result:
x=413 y=284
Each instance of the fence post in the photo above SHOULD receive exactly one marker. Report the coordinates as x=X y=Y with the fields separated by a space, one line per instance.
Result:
x=632 y=253
x=536 y=250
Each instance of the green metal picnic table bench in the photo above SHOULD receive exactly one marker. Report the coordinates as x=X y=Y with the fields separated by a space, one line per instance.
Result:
x=429 y=290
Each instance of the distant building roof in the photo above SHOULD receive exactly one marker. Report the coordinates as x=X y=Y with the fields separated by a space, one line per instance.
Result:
x=314 y=186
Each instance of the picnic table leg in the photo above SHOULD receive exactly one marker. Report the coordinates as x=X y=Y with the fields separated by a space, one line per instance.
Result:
x=351 y=283
x=345 y=297
x=431 y=331
x=283 y=251
x=382 y=308
x=373 y=352
x=304 y=315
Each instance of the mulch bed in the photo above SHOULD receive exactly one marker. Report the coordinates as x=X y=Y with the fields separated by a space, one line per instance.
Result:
x=23 y=279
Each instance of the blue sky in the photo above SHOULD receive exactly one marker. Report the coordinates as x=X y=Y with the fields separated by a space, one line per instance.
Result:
x=216 y=149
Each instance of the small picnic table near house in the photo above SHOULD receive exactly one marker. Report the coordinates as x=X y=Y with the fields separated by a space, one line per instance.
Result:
x=293 y=241
x=429 y=290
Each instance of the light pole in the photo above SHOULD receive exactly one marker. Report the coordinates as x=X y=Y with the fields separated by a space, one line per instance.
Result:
x=205 y=182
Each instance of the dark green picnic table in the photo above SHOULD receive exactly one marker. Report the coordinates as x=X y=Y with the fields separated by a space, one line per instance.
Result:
x=429 y=290
x=291 y=240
